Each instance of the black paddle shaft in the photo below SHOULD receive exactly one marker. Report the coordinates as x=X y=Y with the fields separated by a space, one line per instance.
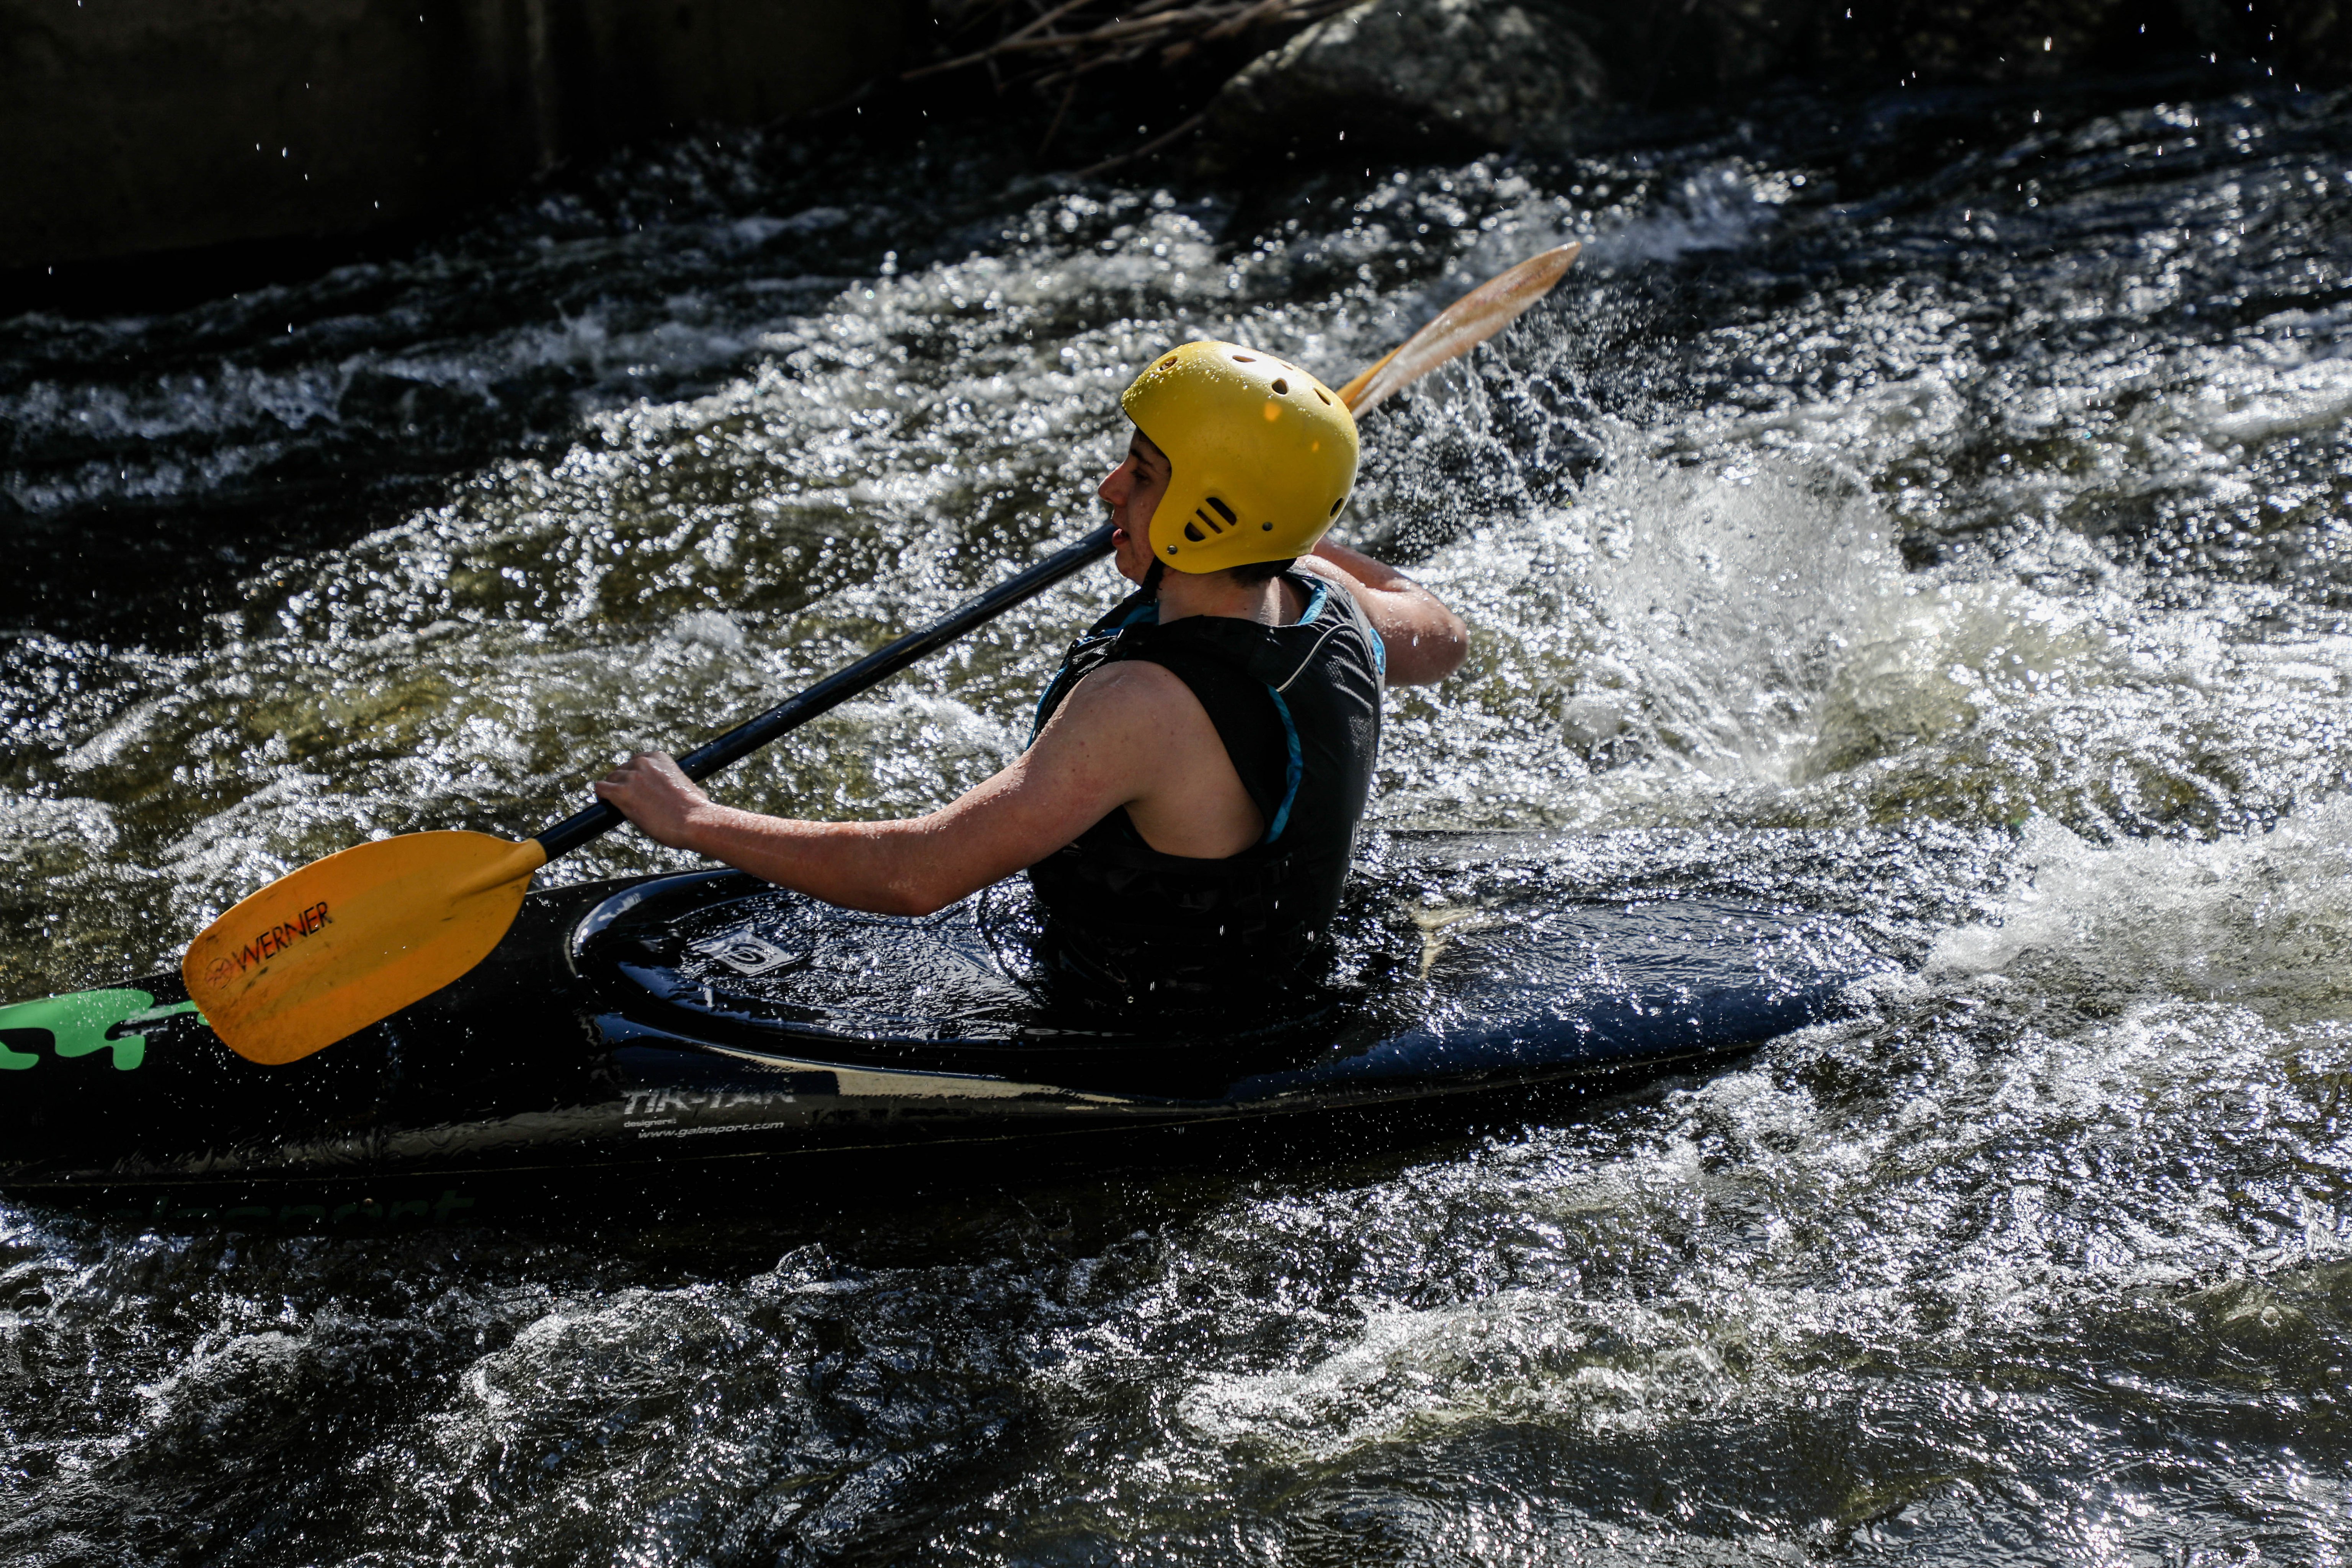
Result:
x=834 y=690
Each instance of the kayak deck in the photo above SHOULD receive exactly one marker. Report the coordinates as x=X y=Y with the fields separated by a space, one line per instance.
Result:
x=708 y=1016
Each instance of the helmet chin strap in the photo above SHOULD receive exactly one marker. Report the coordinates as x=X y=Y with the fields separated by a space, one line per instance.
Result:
x=1152 y=576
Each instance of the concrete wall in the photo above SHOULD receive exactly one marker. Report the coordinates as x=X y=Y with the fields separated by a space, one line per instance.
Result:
x=142 y=125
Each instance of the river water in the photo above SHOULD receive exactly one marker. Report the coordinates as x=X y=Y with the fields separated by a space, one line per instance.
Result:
x=1930 y=509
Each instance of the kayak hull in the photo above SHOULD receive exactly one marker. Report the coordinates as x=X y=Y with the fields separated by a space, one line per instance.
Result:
x=676 y=1034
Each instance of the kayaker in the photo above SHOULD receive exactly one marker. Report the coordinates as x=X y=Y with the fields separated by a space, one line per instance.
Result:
x=1188 y=803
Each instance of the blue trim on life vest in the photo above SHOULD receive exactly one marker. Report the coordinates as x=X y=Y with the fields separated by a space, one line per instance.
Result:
x=1292 y=771
x=1315 y=603
x=1315 y=607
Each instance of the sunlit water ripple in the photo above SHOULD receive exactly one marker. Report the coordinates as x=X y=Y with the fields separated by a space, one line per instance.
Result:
x=1938 y=516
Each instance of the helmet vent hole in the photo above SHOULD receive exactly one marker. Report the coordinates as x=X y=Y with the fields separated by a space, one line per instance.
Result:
x=1205 y=518
x=1245 y=359
x=1281 y=387
x=1193 y=531
x=1169 y=361
x=1338 y=504
x=1221 y=509
x=1323 y=394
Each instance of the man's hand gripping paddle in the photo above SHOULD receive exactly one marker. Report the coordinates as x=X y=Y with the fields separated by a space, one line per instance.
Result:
x=326 y=951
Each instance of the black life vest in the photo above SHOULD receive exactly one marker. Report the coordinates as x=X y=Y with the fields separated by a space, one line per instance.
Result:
x=1299 y=709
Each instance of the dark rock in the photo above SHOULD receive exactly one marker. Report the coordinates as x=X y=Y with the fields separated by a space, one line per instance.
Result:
x=1696 y=51
x=1892 y=43
x=1424 y=75
x=2312 y=36
x=1389 y=74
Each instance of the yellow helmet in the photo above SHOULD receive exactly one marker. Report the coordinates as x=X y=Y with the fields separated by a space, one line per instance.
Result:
x=1263 y=456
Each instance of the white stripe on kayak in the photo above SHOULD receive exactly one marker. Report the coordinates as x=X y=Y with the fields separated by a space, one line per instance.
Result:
x=892 y=1083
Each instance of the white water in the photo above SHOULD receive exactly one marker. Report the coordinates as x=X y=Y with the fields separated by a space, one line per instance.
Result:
x=1940 y=569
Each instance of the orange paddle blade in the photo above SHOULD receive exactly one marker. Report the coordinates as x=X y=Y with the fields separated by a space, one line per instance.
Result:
x=1459 y=328
x=326 y=951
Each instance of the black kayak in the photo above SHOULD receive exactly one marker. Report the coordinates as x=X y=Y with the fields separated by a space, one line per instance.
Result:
x=710 y=1025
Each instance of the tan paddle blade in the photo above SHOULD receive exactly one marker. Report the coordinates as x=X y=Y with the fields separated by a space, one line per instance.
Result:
x=327 y=950
x=1459 y=328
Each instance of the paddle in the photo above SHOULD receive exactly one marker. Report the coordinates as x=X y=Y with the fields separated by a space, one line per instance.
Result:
x=326 y=951
x=1459 y=328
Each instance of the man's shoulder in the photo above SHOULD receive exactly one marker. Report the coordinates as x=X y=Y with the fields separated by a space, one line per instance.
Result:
x=1129 y=710
x=1127 y=684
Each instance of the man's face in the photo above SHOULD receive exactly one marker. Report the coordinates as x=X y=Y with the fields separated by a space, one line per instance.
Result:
x=1133 y=490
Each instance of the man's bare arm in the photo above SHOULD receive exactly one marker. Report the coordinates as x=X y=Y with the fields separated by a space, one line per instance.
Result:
x=1424 y=641
x=1104 y=748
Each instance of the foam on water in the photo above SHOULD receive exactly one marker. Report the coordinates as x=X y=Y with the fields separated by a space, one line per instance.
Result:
x=2263 y=921
x=1684 y=622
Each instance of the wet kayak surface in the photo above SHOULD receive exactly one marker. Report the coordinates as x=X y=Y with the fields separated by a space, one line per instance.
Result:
x=1928 y=510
